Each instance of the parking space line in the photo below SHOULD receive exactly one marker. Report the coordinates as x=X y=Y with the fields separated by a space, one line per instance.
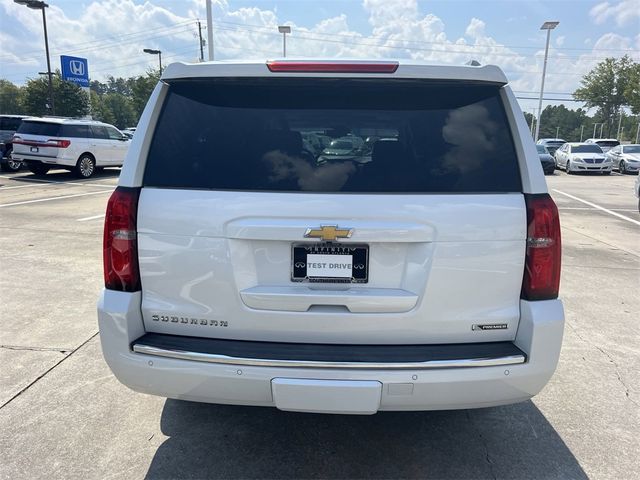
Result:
x=41 y=182
x=591 y=208
x=2 y=187
x=60 y=197
x=591 y=204
x=95 y=217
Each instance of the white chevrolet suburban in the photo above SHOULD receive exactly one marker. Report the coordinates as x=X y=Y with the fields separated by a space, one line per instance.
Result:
x=419 y=272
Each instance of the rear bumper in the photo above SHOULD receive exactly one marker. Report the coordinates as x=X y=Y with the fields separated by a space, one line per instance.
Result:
x=539 y=337
x=45 y=160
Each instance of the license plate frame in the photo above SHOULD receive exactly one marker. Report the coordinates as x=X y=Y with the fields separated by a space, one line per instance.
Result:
x=360 y=261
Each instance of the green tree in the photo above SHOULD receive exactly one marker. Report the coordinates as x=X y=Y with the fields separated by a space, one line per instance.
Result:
x=10 y=98
x=121 y=107
x=99 y=109
x=141 y=89
x=632 y=92
x=69 y=99
x=565 y=122
x=98 y=87
x=528 y=118
x=607 y=88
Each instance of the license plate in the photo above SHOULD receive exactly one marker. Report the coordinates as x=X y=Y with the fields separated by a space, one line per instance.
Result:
x=34 y=149
x=330 y=262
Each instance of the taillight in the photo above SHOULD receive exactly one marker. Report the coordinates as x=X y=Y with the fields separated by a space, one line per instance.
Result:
x=59 y=143
x=120 y=249
x=331 y=67
x=542 y=264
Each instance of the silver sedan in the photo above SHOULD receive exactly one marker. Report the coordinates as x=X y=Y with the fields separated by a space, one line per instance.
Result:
x=626 y=158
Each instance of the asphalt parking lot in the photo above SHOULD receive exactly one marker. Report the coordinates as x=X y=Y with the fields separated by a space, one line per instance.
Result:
x=63 y=415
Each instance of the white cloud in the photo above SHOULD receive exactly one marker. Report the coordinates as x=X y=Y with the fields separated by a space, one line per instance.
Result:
x=625 y=12
x=475 y=28
x=112 y=33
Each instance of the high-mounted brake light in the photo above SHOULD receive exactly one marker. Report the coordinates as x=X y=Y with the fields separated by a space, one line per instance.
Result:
x=331 y=67
x=542 y=264
x=120 y=248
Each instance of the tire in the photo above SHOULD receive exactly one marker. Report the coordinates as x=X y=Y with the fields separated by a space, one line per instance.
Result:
x=567 y=167
x=607 y=173
x=38 y=168
x=622 y=168
x=11 y=165
x=85 y=166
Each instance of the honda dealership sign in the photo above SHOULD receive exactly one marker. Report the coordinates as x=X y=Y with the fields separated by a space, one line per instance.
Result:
x=75 y=69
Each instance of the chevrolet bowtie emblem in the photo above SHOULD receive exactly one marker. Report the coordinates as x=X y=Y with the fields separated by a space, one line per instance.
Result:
x=328 y=233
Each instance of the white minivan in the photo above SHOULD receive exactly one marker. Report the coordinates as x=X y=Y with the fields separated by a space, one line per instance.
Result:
x=239 y=269
x=78 y=145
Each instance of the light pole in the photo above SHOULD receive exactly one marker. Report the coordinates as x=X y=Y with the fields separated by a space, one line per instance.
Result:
x=533 y=121
x=581 y=132
x=557 y=132
x=595 y=125
x=619 y=123
x=284 y=29
x=548 y=26
x=151 y=51
x=39 y=5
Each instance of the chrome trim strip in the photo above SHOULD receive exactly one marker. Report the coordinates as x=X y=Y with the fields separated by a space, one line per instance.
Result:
x=256 y=362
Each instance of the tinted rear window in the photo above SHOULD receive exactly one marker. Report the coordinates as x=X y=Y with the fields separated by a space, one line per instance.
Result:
x=75 y=131
x=586 y=149
x=9 y=123
x=40 y=128
x=404 y=135
x=608 y=143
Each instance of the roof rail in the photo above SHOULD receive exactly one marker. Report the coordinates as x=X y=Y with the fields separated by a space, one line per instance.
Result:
x=473 y=63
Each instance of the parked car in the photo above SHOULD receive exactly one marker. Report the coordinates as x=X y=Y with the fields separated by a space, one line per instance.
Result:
x=8 y=126
x=425 y=279
x=605 y=144
x=345 y=148
x=78 y=145
x=547 y=161
x=129 y=131
x=582 y=157
x=626 y=158
x=552 y=144
x=636 y=188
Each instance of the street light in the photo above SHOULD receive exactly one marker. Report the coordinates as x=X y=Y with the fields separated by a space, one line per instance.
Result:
x=39 y=5
x=151 y=51
x=284 y=29
x=595 y=125
x=548 y=26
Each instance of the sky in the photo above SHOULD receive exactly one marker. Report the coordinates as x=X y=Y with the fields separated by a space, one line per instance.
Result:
x=112 y=33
